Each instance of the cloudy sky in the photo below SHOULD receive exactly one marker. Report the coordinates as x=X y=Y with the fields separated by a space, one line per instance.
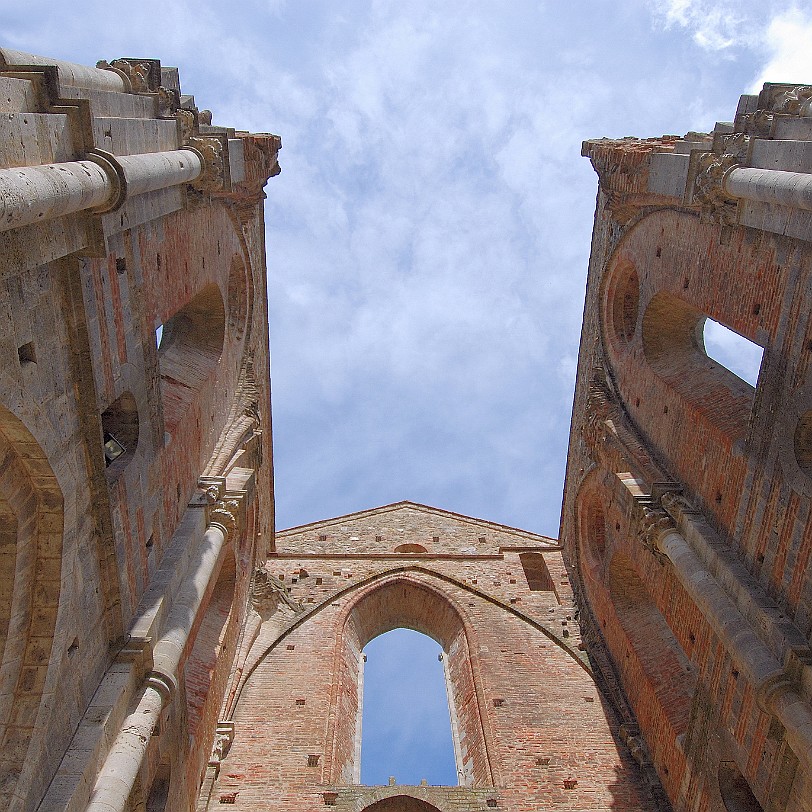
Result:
x=428 y=237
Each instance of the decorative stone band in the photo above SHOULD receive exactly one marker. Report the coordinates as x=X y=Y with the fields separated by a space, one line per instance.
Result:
x=720 y=182
x=34 y=194
x=776 y=692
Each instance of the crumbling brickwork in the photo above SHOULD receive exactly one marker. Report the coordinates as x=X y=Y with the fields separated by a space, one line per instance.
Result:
x=135 y=467
x=532 y=730
x=686 y=522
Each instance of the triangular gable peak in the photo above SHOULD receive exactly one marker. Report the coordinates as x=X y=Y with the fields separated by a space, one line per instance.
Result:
x=407 y=528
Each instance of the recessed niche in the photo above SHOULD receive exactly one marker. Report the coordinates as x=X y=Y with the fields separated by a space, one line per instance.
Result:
x=27 y=354
x=120 y=433
x=625 y=302
x=802 y=443
x=410 y=548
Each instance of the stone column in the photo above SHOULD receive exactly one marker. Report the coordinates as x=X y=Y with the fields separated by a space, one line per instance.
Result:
x=775 y=692
x=793 y=189
x=34 y=194
x=120 y=770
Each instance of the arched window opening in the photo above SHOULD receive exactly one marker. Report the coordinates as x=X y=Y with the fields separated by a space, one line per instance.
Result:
x=410 y=548
x=736 y=793
x=735 y=353
x=401 y=803
x=674 y=346
x=536 y=572
x=190 y=348
x=655 y=663
x=209 y=643
x=120 y=434
x=406 y=728
x=403 y=602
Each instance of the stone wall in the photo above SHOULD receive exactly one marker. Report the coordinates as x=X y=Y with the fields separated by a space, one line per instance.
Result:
x=534 y=731
x=124 y=210
x=686 y=519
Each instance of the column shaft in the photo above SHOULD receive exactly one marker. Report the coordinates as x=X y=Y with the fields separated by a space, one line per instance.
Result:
x=158 y=170
x=793 y=189
x=33 y=194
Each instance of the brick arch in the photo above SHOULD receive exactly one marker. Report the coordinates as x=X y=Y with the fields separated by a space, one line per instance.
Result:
x=31 y=536
x=655 y=665
x=591 y=528
x=403 y=600
x=401 y=803
x=673 y=345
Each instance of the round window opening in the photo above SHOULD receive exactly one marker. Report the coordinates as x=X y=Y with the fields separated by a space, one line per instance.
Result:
x=625 y=303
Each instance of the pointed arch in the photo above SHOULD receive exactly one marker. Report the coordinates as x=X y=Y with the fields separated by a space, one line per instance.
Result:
x=404 y=600
x=31 y=539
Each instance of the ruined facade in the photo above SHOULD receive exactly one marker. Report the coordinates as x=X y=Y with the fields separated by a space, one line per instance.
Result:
x=136 y=467
x=686 y=521
x=161 y=650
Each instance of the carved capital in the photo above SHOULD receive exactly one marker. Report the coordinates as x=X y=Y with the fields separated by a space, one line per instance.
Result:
x=759 y=124
x=793 y=100
x=653 y=526
x=269 y=593
x=139 y=74
x=709 y=187
x=213 y=177
x=226 y=513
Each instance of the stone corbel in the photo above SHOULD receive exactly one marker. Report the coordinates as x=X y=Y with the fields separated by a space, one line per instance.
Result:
x=792 y=100
x=706 y=186
x=268 y=592
x=224 y=508
x=213 y=151
x=223 y=739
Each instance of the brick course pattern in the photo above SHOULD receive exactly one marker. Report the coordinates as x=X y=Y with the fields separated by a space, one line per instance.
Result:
x=533 y=730
x=686 y=523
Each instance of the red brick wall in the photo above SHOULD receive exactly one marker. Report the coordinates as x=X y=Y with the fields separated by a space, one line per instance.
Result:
x=532 y=716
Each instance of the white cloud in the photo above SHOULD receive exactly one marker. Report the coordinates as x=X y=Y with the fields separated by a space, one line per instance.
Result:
x=788 y=39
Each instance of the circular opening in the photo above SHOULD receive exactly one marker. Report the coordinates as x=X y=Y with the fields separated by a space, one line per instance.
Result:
x=803 y=443
x=625 y=303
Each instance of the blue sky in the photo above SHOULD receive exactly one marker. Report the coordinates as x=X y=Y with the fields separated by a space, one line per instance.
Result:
x=429 y=234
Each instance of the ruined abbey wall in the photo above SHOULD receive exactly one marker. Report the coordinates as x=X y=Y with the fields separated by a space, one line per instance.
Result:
x=686 y=520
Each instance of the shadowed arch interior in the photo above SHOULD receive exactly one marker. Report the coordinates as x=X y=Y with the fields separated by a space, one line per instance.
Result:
x=31 y=511
x=657 y=666
x=191 y=346
x=401 y=803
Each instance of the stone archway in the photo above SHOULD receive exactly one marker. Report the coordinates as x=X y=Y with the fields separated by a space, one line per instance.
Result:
x=31 y=534
x=401 y=803
x=404 y=601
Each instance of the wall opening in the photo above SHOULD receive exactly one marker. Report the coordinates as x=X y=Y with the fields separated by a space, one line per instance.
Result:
x=536 y=572
x=674 y=346
x=736 y=793
x=401 y=803
x=190 y=347
x=119 y=434
x=624 y=302
x=406 y=728
x=404 y=602
x=735 y=353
